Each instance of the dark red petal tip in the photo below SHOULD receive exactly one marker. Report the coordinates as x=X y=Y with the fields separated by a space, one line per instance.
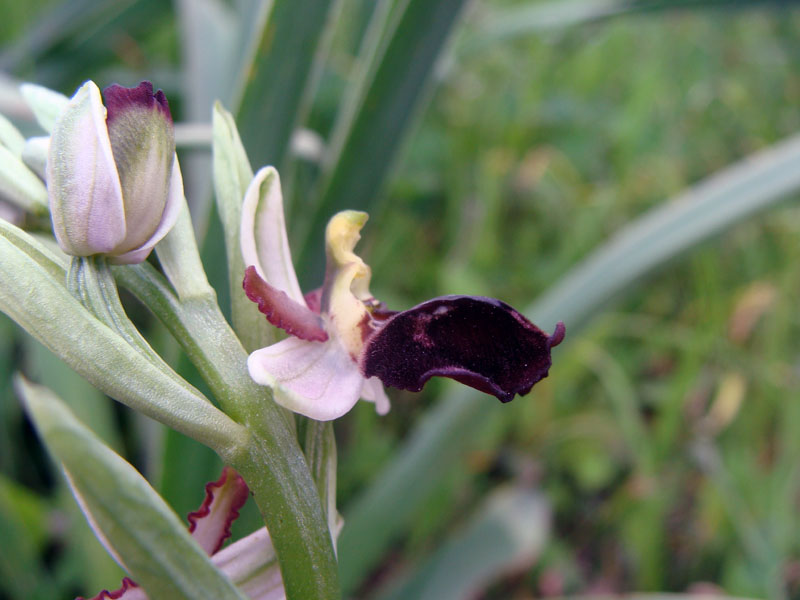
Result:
x=282 y=311
x=118 y=98
x=480 y=342
x=127 y=586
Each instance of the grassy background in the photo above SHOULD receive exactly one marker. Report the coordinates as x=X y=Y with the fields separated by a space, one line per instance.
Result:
x=667 y=438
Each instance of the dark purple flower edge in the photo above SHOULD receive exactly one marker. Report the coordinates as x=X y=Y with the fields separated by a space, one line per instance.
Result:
x=118 y=98
x=234 y=500
x=480 y=342
x=127 y=584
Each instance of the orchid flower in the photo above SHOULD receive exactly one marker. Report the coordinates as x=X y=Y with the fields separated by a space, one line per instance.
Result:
x=344 y=345
x=113 y=180
x=250 y=563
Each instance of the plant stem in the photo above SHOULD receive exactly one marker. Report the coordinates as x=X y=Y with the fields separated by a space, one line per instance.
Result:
x=271 y=461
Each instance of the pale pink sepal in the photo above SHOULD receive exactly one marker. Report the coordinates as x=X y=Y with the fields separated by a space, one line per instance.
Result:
x=373 y=391
x=172 y=209
x=263 y=234
x=252 y=565
x=82 y=180
x=316 y=379
x=210 y=525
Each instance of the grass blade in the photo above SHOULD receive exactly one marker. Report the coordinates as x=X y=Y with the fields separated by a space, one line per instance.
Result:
x=150 y=539
x=278 y=77
x=368 y=132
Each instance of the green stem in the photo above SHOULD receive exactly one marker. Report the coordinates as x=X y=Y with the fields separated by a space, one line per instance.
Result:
x=271 y=461
x=320 y=450
x=89 y=279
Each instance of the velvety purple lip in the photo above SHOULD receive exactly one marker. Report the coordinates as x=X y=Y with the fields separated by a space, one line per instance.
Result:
x=480 y=342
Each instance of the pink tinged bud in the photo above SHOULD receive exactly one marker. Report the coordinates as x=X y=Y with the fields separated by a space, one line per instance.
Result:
x=113 y=179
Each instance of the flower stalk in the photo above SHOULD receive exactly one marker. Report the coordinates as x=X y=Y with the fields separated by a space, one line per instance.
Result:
x=270 y=460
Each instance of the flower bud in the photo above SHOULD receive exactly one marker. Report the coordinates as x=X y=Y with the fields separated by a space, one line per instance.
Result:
x=113 y=179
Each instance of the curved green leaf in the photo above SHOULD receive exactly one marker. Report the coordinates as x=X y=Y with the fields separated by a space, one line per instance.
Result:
x=232 y=175
x=19 y=185
x=142 y=531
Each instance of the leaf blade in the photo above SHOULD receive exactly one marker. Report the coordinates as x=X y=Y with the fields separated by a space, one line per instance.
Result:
x=148 y=537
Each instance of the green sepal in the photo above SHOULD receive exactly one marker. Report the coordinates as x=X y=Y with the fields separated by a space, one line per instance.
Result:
x=10 y=137
x=45 y=103
x=232 y=175
x=147 y=537
x=180 y=259
x=19 y=185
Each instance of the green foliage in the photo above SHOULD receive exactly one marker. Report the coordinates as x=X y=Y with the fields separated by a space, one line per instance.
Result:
x=665 y=439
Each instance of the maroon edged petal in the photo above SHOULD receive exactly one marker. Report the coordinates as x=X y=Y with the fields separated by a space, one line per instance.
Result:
x=119 y=99
x=480 y=342
x=282 y=311
x=210 y=525
x=129 y=589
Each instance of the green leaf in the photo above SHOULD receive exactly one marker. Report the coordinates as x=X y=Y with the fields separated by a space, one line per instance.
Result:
x=149 y=539
x=370 y=127
x=32 y=294
x=232 y=175
x=279 y=76
x=507 y=533
x=751 y=186
x=19 y=185
x=23 y=519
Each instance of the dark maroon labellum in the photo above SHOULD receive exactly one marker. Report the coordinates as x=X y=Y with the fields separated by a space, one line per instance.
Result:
x=480 y=342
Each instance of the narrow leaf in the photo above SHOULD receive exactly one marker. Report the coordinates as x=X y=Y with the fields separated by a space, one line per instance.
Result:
x=10 y=137
x=148 y=538
x=45 y=103
x=279 y=76
x=19 y=185
x=232 y=175
x=370 y=129
x=505 y=534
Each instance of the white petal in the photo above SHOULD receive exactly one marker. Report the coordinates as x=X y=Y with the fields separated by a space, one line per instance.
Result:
x=373 y=391
x=263 y=234
x=82 y=180
x=316 y=379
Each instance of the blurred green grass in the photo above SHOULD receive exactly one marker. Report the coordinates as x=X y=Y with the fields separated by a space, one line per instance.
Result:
x=666 y=437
